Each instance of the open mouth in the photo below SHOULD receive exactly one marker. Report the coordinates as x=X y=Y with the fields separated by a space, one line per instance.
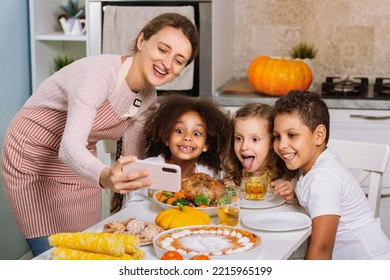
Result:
x=247 y=161
x=159 y=71
x=186 y=148
x=288 y=156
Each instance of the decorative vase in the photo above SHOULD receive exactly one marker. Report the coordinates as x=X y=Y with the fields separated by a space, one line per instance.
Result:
x=73 y=26
x=310 y=63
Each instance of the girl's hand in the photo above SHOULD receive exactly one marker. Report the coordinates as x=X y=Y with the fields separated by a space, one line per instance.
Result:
x=114 y=179
x=284 y=188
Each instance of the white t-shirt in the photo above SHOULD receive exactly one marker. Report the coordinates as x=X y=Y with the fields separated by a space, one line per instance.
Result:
x=330 y=188
x=143 y=193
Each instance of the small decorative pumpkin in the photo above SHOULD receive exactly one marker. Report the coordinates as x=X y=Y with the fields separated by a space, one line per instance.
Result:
x=181 y=216
x=277 y=77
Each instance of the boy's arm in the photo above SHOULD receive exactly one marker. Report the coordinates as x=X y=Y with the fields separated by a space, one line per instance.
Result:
x=323 y=237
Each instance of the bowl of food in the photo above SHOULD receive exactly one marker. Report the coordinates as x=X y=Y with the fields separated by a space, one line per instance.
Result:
x=165 y=204
x=198 y=190
x=216 y=242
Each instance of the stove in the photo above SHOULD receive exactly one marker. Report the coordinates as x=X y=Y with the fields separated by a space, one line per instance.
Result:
x=356 y=88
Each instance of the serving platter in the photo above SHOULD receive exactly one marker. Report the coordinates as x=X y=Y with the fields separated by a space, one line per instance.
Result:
x=276 y=221
x=217 y=242
x=144 y=230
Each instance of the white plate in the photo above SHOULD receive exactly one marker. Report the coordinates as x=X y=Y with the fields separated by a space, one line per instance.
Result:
x=212 y=211
x=276 y=221
x=271 y=200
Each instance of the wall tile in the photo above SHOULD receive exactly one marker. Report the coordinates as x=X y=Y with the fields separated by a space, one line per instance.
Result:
x=352 y=36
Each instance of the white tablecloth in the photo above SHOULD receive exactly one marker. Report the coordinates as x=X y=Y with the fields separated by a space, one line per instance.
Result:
x=276 y=245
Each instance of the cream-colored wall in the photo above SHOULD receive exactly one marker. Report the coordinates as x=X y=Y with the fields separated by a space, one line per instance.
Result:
x=352 y=36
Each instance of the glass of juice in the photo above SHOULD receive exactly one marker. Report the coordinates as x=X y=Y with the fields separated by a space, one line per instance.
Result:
x=228 y=203
x=255 y=184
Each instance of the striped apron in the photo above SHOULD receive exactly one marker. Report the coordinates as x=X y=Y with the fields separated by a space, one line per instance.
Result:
x=44 y=195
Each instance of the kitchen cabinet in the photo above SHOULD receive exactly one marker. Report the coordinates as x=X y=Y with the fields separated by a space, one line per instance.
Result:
x=47 y=39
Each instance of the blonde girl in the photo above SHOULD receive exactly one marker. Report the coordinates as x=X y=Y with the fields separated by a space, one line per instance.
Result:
x=249 y=147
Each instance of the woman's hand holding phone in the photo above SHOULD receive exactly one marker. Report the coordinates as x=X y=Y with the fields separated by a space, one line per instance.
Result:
x=120 y=181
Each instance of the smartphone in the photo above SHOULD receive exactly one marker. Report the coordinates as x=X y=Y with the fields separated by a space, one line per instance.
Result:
x=164 y=176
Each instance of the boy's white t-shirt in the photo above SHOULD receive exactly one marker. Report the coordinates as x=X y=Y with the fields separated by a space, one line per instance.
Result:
x=142 y=194
x=329 y=188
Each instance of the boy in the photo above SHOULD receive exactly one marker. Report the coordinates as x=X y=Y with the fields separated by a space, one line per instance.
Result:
x=343 y=225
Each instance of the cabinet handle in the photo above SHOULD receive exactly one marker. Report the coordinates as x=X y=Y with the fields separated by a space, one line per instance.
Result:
x=365 y=117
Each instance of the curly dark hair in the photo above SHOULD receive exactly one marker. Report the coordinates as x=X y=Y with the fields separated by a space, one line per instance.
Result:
x=162 y=119
x=231 y=164
x=159 y=127
x=310 y=107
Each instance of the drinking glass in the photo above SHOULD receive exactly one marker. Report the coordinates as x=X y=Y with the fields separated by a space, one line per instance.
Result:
x=255 y=184
x=151 y=193
x=228 y=203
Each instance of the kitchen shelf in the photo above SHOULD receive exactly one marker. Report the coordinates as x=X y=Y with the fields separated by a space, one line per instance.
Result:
x=47 y=40
x=60 y=36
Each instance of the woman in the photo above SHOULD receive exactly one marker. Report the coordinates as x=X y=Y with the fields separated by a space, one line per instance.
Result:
x=51 y=176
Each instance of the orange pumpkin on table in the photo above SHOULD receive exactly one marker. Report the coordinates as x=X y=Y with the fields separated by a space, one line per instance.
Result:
x=277 y=77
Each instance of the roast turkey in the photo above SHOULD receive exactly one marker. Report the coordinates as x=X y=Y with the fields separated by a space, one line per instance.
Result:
x=199 y=183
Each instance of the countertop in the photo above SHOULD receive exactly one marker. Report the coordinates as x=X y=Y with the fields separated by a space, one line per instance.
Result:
x=238 y=92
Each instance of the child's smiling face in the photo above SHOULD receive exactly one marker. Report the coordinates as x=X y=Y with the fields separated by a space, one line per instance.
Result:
x=252 y=141
x=188 y=137
x=295 y=143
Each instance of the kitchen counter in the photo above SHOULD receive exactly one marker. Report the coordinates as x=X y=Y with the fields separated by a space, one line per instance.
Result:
x=239 y=92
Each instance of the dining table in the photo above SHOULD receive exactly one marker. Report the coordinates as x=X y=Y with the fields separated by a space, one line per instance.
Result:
x=276 y=244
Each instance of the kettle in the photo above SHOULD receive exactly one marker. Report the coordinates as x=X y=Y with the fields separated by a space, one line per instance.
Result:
x=73 y=26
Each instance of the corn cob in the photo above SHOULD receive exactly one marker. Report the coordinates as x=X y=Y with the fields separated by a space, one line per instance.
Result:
x=61 y=253
x=131 y=242
x=96 y=242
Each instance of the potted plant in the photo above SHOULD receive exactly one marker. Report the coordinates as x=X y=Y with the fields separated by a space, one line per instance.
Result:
x=303 y=50
x=72 y=18
x=61 y=60
x=73 y=8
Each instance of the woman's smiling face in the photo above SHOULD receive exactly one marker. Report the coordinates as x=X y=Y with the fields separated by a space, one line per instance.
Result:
x=164 y=55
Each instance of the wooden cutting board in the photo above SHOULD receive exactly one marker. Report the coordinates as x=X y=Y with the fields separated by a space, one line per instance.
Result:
x=240 y=87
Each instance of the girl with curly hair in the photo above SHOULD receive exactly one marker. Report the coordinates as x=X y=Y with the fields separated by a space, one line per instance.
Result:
x=185 y=131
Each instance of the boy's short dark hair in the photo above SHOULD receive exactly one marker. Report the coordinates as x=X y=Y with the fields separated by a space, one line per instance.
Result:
x=309 y=106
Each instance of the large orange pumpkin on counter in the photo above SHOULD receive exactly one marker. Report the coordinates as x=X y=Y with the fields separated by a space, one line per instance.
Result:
x=277 y=77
